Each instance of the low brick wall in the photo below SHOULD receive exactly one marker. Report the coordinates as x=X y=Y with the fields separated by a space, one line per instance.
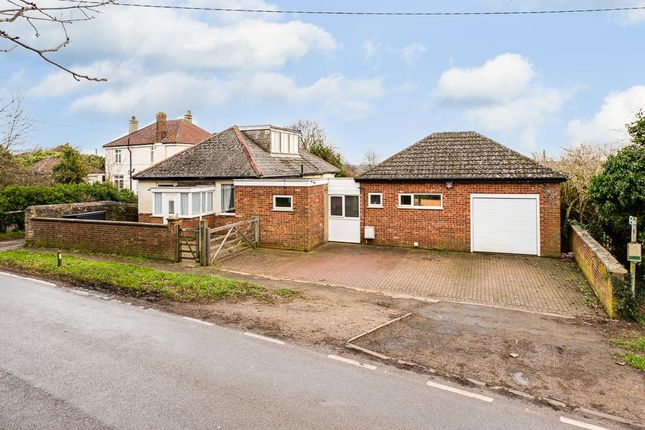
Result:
x=114 y=211
x=157 y=241
x=598 y=266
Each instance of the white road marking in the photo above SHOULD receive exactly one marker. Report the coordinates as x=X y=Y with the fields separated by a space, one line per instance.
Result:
x=581 y=424
x=197 y=320
x=28 y=279
x=458 y=391
x=259 y=336
x=350 y=361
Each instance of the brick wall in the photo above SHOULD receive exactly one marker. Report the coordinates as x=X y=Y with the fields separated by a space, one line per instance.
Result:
x=598 y=266
x=301 y=229
x=112 y=237
x=449 y=228
x=114 y=211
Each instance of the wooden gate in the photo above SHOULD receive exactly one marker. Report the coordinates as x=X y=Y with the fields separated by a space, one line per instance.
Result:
x=188 y=243
x=224 y=241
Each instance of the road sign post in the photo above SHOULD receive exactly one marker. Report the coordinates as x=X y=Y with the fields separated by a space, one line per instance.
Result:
x=633 y=254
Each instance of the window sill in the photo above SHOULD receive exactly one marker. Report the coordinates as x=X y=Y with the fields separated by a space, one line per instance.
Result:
x=374 y=207
x=226 y=214
x=282 y=210
x=423 y=208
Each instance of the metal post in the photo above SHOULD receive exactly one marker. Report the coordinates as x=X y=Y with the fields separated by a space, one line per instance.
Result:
x=632 y=264
x=256 y=232
x=59 y=259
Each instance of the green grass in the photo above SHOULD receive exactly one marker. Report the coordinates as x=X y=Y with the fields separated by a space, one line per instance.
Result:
x=635 y=360
x=287 y=293
x=134 y=279
x=634 y=345
x=12 y=235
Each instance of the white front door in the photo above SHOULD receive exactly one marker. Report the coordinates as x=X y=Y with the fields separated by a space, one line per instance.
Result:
x=506 y=223
x=344 y=211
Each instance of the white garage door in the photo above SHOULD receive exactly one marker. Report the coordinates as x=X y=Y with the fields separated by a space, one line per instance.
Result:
x=506 y=223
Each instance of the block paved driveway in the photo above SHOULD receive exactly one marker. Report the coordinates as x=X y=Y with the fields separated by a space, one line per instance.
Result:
x=530 y=283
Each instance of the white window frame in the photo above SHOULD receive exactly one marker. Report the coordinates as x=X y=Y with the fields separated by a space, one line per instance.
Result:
x=118 y=181
x=157 y=209
x=412 y=206
x=175 y=193
x=152 y=154
x=222 y=212
x=369 y=200
x=283 y=209
x=117 y=156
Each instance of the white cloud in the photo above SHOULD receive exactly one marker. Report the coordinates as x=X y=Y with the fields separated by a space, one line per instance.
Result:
x=370 y=49
x=500 y=79
x=412 y=52
x=335 y=94
x=190 y=40
x=608 y=125
x=501 y=96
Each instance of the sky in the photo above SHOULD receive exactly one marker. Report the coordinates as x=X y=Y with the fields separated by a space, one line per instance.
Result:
x=534 y=83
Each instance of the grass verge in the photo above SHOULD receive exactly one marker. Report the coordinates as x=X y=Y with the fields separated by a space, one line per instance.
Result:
x=634 y=345
x=12 y=235
x=134 y=279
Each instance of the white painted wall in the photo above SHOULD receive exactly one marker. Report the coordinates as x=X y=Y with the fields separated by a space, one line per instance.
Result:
x=141 y=159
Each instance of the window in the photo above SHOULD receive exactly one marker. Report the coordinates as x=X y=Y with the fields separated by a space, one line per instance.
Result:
x=282 y=203
x=171 y=207
x=283 y=142
x=293 y=143
x=351 y=206
x=421 y=201
x=209 y=201
x=117 y=155
x=228 y=198
x=336 y=205
x=152 y=154
x=375 y=200
x=344 y=206
x=157 y=204
x=117 y=180
x=183 y=207
x=197 y=201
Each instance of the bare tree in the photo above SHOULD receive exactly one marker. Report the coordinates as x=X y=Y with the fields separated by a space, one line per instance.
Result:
x=35 y=15
x=14 y=123
x=580 y=163
x=372 y=158
x=312 y=134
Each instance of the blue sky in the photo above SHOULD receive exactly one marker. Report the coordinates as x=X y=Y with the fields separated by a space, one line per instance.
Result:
x=533 y=83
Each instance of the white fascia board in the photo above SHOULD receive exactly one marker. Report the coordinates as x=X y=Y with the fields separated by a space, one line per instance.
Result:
x=182 y=189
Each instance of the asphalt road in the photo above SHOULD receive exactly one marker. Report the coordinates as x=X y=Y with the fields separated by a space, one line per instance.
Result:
x=73 y=361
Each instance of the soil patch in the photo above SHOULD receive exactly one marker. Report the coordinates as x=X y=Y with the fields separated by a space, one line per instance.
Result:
x=567 y=360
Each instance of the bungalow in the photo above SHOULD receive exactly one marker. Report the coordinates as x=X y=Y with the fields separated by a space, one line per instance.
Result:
x=239 y=173
x=454 y=191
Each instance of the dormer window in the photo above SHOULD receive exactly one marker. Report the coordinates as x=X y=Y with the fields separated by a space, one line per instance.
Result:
x=284 y=142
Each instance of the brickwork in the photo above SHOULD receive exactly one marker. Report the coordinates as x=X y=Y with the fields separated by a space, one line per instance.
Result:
x=114 y=211
x=598 y=266
x=120 y=237
x=302 y=229
x=449 y=228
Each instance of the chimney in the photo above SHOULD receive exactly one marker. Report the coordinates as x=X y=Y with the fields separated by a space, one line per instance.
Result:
x=160 y=130
x=188 y=116
x=134 y=124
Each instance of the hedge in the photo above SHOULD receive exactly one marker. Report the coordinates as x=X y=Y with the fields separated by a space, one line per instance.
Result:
x=19 y=198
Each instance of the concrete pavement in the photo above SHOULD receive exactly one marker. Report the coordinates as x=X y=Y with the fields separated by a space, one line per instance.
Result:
x=72 y=360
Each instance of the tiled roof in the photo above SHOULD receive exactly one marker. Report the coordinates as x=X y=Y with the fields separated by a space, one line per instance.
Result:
x=463 y=155
x=44 y=166
x=178 y=131
x=232 y=154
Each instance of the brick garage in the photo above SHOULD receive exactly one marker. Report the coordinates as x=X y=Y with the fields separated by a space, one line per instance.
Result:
x=449 y=228
x=465 y=192
x=302 y=229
